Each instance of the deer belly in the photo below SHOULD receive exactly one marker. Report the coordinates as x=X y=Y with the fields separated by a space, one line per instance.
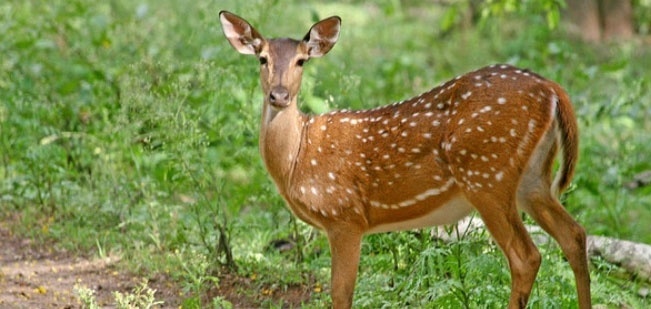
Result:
x=453 y=210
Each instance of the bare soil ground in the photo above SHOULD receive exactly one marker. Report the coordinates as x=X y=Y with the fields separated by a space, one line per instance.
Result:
x=41 y=276
x=243 y=292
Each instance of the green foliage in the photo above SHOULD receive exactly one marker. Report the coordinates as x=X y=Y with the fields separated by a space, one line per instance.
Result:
x=130 y=127
x=642 y=16
x=550 y=9
x=491 y=13
x=86 y=297
x=142 y=297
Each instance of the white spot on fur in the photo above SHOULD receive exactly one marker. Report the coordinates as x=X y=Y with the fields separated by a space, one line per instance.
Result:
x=485 y=109
x=466 y=95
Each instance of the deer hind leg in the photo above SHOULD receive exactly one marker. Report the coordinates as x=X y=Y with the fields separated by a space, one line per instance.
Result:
x=552 y=217
x=535 y=197
x=502 y=220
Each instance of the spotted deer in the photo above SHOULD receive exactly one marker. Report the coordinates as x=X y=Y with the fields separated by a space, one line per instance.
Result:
x=484 y=141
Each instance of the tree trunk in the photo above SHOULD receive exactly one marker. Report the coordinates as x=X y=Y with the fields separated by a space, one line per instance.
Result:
x=585 y=19
x=596 y=20
x=617 y=18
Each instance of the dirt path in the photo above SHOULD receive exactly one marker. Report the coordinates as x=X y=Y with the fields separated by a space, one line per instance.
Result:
x=41 y=276
x=34 y=275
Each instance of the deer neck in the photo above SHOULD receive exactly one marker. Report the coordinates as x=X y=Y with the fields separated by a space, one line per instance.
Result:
x=280 y=141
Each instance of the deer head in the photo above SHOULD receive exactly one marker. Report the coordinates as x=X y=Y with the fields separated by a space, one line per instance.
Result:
x=281 y=60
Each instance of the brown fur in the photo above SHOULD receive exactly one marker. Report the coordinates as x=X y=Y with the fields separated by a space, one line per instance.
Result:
x=484 y=141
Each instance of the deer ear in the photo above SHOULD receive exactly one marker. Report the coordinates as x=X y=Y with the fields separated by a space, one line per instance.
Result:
x=242 y=36
x=323 y=36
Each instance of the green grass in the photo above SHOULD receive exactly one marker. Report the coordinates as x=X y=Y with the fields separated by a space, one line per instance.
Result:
x=130 y=127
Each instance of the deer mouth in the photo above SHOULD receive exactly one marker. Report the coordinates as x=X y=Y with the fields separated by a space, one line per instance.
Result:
x=279 y=105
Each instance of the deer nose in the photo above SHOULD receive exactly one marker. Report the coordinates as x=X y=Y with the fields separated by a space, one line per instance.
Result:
x=279 y=96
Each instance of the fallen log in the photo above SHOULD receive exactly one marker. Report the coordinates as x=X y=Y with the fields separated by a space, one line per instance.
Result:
x=639 y=180
x=633 y=257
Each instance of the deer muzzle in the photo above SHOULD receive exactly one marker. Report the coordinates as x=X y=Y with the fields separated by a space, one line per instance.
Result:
x=279 y=97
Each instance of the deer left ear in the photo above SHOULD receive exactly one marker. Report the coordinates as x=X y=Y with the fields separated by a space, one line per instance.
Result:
x=323 y=36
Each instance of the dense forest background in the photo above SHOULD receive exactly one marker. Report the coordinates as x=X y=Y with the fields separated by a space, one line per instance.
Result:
x=130 y=128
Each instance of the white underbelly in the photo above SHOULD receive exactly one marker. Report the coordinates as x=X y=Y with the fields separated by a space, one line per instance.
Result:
x=452 y=211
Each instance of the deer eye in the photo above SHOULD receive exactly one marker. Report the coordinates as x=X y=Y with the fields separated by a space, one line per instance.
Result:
x=300 y=62
x=263 y=60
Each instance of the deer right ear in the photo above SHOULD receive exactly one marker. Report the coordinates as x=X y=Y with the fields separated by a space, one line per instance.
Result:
x=242 y=36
